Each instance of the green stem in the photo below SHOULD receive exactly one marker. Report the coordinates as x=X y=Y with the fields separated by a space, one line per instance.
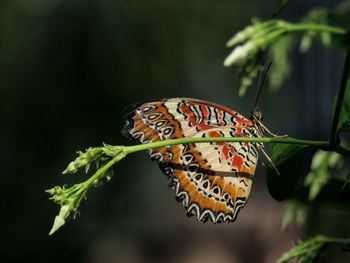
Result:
x=266 y=31
x=273 y=36
x=315 y=27
x=333 y=137
x=288 y=140
x=100 y=171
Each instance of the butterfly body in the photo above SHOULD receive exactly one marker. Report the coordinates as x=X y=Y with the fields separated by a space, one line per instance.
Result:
x=212 y=180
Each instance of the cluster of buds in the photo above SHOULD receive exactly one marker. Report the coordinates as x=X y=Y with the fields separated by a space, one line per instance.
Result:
x=70 y=198
x=254 y=39
x=83 y=160
x=248 y=44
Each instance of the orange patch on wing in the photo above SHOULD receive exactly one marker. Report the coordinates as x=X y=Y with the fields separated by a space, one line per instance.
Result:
x=241 y=192
x=198 y=197
x=237 y=162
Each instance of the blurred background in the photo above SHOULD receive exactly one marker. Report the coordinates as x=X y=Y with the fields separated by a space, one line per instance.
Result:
x=67 y=70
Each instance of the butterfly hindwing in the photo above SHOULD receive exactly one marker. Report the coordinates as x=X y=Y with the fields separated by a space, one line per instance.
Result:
x=212 y=180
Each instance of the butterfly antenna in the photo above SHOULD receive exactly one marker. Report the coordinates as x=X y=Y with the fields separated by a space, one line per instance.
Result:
x=262 y=77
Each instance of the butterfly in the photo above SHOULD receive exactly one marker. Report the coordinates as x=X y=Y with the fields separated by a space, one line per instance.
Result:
x=212 y=180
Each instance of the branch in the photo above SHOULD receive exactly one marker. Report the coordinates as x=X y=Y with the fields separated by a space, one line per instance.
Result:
x=70 y=198
x=287 y=140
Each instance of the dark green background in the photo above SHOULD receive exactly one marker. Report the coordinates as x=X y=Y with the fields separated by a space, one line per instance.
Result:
x=67 y=70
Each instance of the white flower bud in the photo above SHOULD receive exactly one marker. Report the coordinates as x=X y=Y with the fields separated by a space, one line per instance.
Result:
x=241 y=36
x=238 y=54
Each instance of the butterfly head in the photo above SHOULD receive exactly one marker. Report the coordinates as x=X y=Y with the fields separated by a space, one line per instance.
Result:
x=256 y=115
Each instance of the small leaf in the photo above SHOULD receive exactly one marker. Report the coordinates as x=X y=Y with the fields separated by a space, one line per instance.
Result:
x=307 y=251
x=326 y=39
x=293 y=212
x=87 y=168
x=321 y=164
x=318 y=159
x=316 y=180
x=306 y=41
x=334 y=160
x=344 y=118
x=288 y=159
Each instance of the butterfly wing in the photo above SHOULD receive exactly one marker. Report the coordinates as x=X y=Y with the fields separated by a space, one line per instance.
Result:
x=212 y=180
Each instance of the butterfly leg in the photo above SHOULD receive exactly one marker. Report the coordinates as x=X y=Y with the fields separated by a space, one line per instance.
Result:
x=269 y=159
x=271 y=133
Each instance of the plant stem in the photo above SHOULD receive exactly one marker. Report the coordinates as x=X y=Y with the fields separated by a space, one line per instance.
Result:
x=333 y=137
x=100 y=171
x=315 y=27
x=288 y=140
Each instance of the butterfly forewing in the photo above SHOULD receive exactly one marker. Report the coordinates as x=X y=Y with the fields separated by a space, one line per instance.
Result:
x=212 y=180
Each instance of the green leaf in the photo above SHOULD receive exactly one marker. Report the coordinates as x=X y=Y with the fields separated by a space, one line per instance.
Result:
x=306 y=41
x=307 y=252
x=294 y=212
x=326 y=39
x=289 y=159
x=318 y=177
x=344 y=118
